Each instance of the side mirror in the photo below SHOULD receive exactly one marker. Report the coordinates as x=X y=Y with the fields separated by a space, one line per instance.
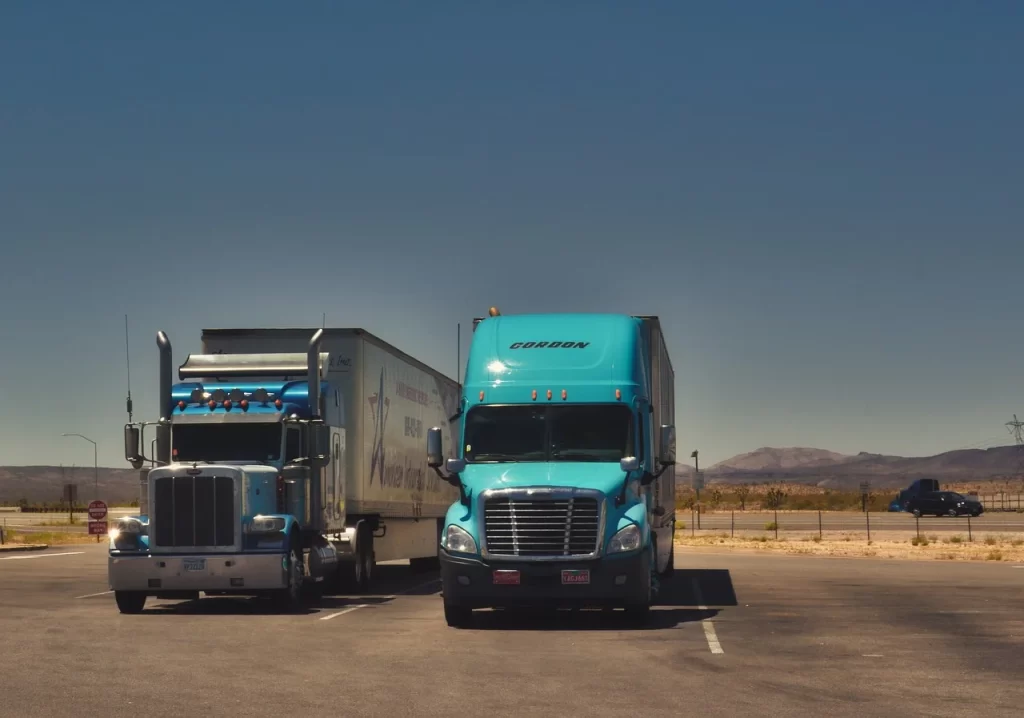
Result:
x=667 y=454
x=320 y=455
x=455 y=466
x=435 y=449
x=132 y=436
x=629 y=463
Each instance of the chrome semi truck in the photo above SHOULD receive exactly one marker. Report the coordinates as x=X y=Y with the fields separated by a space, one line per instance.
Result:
x=286 y=459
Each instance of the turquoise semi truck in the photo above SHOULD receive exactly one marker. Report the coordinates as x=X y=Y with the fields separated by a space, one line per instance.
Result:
x=564 y=465
x=285 y=459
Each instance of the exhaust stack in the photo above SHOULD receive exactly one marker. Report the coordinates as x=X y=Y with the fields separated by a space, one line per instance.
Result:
x=315 y=472
x=313 y=371
x=163 y=439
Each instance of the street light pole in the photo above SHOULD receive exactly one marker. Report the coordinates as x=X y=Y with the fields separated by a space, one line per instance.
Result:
x=95 y=464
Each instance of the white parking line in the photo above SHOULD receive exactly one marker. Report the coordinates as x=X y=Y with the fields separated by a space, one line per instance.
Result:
x=90 y=595
x=349 y=609
x=709 y=627
x=346 y=610
x=39 y=555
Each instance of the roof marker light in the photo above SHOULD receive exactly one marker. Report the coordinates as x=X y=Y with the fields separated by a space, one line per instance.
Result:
x=549 y=393
x=618 y=394
x=565 y=394
x=481 y=396
x=182 y=405
x=212 y=404
x=533 y=395
x=278 y=403
x=227 y=404
x=244 y=403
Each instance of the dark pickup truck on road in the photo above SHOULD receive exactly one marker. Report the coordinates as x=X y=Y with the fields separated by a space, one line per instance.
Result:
x=944 y=503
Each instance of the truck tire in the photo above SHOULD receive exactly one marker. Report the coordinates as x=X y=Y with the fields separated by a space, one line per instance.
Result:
x=457 y=616
x=130 y=601
x=360 y=571
x=290 y=597
x=639 y=611
x=670 y=567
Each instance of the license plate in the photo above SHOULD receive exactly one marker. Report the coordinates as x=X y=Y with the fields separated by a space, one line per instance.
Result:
x=194 y=564
x=506 y=577
x=581 y=576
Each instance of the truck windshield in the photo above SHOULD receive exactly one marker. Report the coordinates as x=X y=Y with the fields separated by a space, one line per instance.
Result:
x=226 y=442
x=595 y=432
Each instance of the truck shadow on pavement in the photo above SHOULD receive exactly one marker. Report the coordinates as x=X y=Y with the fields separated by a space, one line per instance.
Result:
x=389 y=582
x=690 y=596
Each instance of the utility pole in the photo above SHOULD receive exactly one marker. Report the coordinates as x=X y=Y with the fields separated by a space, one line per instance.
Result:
x=696 y=481
x=1016 y=428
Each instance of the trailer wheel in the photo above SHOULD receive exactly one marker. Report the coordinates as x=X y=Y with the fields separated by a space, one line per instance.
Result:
x=130 y=601
x=367 y=559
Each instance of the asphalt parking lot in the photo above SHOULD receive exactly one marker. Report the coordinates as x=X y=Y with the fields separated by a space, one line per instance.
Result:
x=736 y=635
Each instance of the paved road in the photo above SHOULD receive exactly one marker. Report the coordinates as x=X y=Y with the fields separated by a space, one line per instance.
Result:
x=785 y=636
x=853 y=521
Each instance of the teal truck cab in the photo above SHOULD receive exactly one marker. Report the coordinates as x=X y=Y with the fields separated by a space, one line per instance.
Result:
x=565 y=466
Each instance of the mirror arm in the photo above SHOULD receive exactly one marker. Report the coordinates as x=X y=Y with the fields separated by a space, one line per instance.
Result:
x=454 y=480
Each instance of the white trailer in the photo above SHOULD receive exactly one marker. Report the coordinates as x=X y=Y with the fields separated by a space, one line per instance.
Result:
x=381 y=500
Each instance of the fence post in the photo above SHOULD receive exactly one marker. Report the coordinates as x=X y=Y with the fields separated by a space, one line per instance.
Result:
x=692 y=527
x=819 y=524
x=732 y=525
x=969 y=537
x=776 y=524
x=918 y=520
x=867 y=519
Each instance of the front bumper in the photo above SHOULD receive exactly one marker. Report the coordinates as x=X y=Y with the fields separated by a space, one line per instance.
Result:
x=155 y=574
x=469 y=582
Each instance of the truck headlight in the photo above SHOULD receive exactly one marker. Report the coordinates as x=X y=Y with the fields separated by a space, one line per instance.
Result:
x=627 y=539
x=458 y=540
x=129 y=526
x=265 y=525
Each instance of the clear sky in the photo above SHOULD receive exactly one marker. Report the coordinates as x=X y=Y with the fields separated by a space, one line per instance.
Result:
x=823 y=201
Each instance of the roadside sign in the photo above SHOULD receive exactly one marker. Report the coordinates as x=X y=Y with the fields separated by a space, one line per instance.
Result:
x=97 y=528
x=698 y=480
x=97 y=510
x=864 y=486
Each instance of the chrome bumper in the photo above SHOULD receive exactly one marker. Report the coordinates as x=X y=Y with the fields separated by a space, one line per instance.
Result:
x=156 y=573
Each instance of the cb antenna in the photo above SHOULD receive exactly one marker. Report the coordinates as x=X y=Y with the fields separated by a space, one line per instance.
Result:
x=128 y=363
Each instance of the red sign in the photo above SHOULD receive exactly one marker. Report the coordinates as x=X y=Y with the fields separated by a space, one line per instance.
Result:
x=97 y=510
x=506 y=577
x=97 y=528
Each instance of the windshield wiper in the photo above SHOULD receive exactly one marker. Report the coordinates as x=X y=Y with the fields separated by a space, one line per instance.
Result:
x=580 y=456
x=498 y=456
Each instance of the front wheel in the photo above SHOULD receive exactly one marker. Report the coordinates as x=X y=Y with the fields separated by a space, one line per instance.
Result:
x=130 y=601
x=457 y=616
x=289 y=598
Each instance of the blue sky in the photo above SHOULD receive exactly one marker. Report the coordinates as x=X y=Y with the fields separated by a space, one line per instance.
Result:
x=823 y=201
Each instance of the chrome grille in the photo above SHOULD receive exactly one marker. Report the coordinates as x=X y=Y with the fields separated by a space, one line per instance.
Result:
x=542 y=527
x=192 y=511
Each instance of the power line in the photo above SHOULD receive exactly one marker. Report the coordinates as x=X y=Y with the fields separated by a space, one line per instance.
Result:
x=1016 y=429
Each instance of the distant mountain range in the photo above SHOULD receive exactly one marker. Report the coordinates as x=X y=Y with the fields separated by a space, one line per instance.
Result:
x=806 y=465
x=829 y=469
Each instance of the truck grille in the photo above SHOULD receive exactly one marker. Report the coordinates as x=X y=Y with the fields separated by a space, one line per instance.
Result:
x=194 y=511
x=542 y=527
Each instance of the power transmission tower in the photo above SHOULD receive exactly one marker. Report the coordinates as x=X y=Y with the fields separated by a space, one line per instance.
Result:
x=1016 y=428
